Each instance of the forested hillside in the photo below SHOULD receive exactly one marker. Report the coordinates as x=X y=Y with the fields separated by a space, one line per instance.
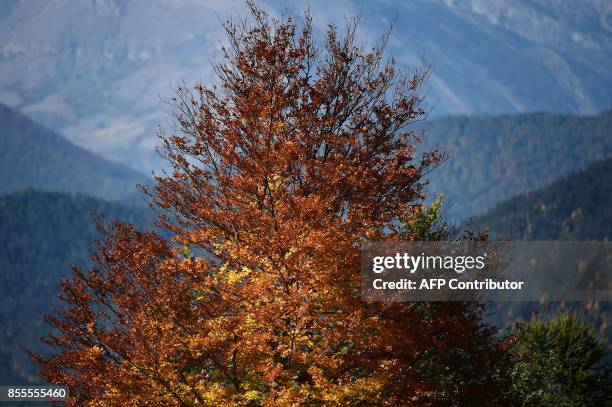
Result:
x=576 y=207
x=32 y=156
x=492 y=158
x=41 y=234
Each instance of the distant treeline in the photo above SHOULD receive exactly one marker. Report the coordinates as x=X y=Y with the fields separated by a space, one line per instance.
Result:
x=32 y=156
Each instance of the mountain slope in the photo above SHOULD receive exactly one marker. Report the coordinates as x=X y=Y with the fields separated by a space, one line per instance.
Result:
x=95 y=69
x=576 y=207
x=495 y=157
x=34 y=157
x=42 y=233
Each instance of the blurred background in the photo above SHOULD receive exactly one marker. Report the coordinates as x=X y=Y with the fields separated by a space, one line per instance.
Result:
x=519 y=95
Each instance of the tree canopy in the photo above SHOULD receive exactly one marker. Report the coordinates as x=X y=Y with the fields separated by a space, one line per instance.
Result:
x=280 y=170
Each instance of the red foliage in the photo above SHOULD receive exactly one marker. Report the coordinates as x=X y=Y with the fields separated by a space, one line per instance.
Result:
x=279 y=173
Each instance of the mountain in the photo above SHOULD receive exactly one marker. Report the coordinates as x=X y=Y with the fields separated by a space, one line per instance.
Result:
x=95 y=69
x=42 y=233
x=492 y=158
x=32 y=156
x=576 y=207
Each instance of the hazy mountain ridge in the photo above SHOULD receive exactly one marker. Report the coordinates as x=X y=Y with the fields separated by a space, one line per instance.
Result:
x=576 y=207
x=32 y=156
x=95 y=70
x=492 y=158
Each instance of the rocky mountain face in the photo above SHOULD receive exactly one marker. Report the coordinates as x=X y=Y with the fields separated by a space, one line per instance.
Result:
x=96 y=69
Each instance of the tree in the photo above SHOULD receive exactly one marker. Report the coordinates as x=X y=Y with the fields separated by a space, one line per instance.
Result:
x=559 y=363
x=297 y=155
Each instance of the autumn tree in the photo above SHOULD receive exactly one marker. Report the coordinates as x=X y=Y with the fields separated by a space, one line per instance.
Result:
x=298 y=153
